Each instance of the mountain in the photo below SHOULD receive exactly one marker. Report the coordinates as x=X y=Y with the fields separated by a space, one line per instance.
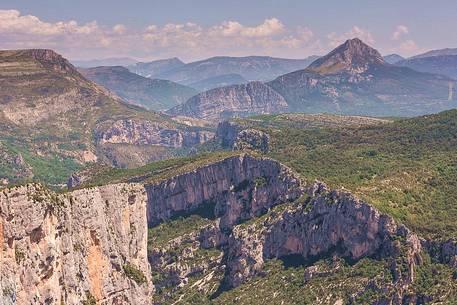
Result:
x=122 y=61
x=236 y=100
x=218 y=81
x=355 y=79
x=440 y=52
x=54 y=121
x=393 y=58
x=155 y=68
x=437 y=64
x=154 y=94
x=251 y=68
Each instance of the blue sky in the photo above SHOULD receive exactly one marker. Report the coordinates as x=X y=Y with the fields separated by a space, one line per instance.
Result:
x=196 y=29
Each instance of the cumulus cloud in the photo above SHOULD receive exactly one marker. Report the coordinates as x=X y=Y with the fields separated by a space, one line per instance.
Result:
x=11 y=21
x=187 y=40
x=400 y=31
x=355 y=32
x=409 y=47
x=269 y=27
x=119 y=29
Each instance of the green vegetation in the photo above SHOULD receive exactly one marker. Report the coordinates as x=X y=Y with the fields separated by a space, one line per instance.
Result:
x=406 y=168
x=163 y=233
x=155 y=171
x=90 y=299
x=134 y=273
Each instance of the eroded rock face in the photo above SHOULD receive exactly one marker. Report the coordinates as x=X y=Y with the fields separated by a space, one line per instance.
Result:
x=236 y=189
x=150 y=133
x=236 y=100
x=330 y=222
x=66 y=249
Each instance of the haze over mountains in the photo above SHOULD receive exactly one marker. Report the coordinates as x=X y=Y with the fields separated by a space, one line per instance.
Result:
x=437 y=61
x=154 y=94
x=352 y=79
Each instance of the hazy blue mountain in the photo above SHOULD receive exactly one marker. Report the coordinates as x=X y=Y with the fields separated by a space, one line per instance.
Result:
x=154 y=94
x=355 y=79
x=153 y=69
x=393 y=58
x=439 y=52
x=218 y=81
x=251 y=68
x=121 y=61
x=438 y=64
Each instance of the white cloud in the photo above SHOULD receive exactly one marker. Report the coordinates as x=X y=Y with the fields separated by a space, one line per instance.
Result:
x=355 y=32
x=409 y=47
x=12 y=22
x=400 y=31
x=270 y=27
x=187 y=40
x=119 y=29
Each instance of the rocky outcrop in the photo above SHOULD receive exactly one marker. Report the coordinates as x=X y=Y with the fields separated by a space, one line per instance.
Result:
x=252 y=139
x=230 y=101
x=77 y=248
x=137 y=132
x=237 y=137
x=329 y=222
x=234 y=189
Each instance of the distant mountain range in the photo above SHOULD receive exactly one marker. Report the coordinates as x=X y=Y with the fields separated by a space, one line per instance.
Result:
x=251 y=68
x=437 y=61
x=393 y=58
x=352 y=79
x=154 y=94
x=154 y=69
x=114 y=61
x=218 y=81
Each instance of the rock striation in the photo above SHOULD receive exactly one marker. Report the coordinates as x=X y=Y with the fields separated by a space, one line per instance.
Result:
x=236 y=100
x=74 y=248
x=235 y=189
x=327 y=223
x=137 y=132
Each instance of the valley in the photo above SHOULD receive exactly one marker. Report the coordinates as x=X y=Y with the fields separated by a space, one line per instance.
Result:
x=206 y=179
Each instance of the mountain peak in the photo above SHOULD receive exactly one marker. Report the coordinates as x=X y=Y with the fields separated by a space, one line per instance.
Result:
x=352 y=56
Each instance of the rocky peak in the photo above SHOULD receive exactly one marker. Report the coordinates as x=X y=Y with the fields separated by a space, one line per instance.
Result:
x=352 y=56
x=51 y=59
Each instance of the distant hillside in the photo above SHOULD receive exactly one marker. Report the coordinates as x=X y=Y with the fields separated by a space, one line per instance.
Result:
x=393 y=58
x=237 y=100
x=155 y=68
x=437 y=64
x=218 y=81
x=122 y=61
x=250 y=68
x=440 y=52
x=355 y=79
x=54 y=121
x=154 y=94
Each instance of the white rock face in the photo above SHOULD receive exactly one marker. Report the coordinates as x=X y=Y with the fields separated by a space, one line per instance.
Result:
x=65 y=249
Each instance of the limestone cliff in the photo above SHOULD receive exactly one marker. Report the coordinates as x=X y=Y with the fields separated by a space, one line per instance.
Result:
x=327 y=223
x=236 y=188
x=235 y=100
x=76 y=248
x=139 y=132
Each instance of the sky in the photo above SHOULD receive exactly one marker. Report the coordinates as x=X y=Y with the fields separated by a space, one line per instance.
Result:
x=197 y=29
